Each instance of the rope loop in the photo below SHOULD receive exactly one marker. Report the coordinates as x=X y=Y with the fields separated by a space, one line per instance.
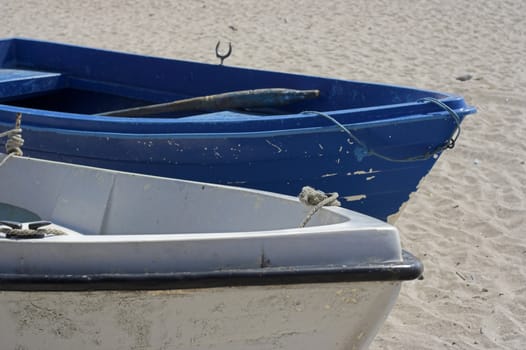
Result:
x=317 y=199
x=14 y=143
x=28 y=230
x=456 y=133
x=366 y=151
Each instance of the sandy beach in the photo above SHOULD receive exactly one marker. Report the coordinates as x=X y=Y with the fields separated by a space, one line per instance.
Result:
x=467 y=221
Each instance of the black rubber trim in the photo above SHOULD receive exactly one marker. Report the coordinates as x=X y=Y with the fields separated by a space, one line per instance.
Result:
x=408 y=269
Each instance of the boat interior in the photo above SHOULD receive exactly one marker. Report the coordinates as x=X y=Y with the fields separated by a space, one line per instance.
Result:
x=71 y=79
x=105 y=221
x=120 y=203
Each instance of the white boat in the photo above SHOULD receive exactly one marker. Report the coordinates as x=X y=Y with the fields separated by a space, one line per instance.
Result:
x=93 y=258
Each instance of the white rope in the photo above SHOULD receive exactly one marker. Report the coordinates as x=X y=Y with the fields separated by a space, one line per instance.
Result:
x=14 y=143
x=20 y=233
x=318 y=199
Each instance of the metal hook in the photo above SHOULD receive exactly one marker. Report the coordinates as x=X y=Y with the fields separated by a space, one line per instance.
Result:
x=220 y=56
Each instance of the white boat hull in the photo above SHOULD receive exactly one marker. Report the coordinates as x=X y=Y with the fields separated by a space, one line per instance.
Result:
x=141 y=262
x=299 y=316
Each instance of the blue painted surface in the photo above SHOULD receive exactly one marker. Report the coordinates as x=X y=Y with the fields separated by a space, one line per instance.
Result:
x=59 y=87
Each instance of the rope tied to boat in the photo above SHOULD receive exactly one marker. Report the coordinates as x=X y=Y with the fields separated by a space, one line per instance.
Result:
x=14 y=143
x=450 y=143
x=318 y=199
x=30 y=230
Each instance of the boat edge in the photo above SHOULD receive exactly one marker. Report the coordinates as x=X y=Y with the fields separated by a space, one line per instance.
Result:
x=409 y=268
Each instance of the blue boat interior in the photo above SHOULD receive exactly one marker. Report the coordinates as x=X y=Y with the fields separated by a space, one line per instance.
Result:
x=64 y=78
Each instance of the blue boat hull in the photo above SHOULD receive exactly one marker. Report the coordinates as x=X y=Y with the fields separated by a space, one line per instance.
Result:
x=58 y=89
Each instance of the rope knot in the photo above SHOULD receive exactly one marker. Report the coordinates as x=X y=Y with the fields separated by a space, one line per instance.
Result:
x=310 y=196
x=318 y=199
x=14 y=141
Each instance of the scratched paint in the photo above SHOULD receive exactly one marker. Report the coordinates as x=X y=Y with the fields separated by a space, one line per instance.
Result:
x=329 y=174
x=275 y=146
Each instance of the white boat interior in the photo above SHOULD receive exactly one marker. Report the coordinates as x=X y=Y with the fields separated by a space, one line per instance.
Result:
x=116 y=222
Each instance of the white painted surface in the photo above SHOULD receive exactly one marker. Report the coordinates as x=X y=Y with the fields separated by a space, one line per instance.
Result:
x=327 y=316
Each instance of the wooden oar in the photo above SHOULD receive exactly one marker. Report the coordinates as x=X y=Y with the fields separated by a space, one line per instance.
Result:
x=259 y=98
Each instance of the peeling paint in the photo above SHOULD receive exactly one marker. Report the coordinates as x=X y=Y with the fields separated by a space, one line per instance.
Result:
x=329 y=174
x=364 y=172
x=354 y=198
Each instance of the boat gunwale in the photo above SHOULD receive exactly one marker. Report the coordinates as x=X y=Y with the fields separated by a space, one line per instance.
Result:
x=134 y=127
x=409 y=268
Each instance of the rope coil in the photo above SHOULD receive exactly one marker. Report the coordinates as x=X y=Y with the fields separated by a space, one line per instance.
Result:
x=318 y=199
x=14 y=143
x=31 y=230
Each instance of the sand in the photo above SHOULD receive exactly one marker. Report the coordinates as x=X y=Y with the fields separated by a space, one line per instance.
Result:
x=467 y=220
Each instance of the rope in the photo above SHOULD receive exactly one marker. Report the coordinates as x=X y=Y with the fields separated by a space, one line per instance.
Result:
x=318 y=199
x=450 y=143
x=29 y=233
x=38 y=229
x=14 y=143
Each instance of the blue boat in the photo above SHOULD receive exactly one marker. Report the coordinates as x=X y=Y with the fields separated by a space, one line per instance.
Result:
x=371 y=143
